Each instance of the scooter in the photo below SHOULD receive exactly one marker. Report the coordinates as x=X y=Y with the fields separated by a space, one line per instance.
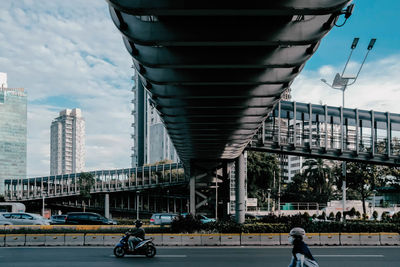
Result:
x=145 y=247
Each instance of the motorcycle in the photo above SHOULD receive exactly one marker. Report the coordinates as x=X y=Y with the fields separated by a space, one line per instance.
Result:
x=145 y=247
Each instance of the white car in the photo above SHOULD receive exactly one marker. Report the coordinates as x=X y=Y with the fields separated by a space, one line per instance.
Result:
x=22 y=218
x=4 y=221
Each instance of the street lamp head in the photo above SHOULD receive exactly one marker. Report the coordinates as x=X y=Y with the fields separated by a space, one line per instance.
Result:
x=371 y=43
x=355 y=42
x=323 y=80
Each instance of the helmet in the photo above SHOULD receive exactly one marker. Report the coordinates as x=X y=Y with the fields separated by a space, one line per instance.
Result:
x=138 y=223
x=297 y=232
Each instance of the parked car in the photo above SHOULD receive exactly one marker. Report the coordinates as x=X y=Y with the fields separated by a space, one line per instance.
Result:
x=87 y=218
x=162 y=218
x=4 y=221
x=23 y=218
x=58 y=219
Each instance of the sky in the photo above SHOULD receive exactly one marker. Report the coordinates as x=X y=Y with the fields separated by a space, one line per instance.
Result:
x=68 y=54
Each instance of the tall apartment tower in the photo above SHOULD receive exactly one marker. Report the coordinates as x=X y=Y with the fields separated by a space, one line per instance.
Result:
x=67 y=143
x=13 y=117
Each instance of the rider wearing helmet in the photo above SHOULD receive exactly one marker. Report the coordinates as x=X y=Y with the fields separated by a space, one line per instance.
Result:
x=301 y=254
x=137 y=234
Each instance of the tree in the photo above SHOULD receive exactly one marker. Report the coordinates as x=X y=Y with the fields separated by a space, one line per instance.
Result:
x=364 y=178
x=313 y=184
x=85 y=182
x=261 y=168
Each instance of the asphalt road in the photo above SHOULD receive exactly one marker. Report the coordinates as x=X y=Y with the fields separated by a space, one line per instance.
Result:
x=197 y=256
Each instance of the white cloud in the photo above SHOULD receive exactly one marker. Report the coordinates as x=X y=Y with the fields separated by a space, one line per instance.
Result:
x=377 y=87
x=69 y=54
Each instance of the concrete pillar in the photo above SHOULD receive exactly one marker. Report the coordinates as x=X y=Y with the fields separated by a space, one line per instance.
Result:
x=239 y=188
x=192 y=198
x=107 y=206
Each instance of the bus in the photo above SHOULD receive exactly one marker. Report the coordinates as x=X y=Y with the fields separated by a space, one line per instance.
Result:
x=12 y=207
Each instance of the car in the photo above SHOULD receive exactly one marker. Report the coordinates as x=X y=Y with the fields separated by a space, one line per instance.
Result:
x=58 y=219
x=162 y=218
x=204 y=219
x=4 y=221
x=91 y=218
x=23 y=218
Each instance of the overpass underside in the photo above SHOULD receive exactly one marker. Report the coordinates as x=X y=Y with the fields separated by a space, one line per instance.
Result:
x=332 y=133
x=215 y=70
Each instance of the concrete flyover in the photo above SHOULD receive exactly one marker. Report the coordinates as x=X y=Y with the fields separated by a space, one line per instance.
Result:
x=215 y=70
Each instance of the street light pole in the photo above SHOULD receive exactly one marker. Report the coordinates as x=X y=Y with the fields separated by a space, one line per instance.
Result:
x=341 y=83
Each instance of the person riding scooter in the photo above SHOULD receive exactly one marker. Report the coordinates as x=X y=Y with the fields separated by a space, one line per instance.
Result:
x=301 y=254
x=136 y=235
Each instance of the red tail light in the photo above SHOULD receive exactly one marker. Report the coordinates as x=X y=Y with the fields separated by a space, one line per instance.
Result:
x=151 y=220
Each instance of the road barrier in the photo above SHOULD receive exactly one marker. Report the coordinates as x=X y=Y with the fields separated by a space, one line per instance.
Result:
x=230 y=240
x=350 y=239
x=284 y=239
x=370 y=239
x=244 y=239
x=74 y=239
x=172 y=239
x=330 y=239
x=210 y=239
x=15 y=240
x=35 y=239
x=94 y=240
x=2 y=240
x=111 y=239
x=191 y=240
x=54 y=240
x=251 y=239
x=312 y=239
x=389 y=239
x=270 y=239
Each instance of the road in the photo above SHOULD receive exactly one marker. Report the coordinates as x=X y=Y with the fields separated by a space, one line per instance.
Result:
x=197 y=257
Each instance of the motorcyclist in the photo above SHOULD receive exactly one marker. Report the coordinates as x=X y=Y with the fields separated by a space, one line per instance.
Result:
x=301 y=254
x=136 y=234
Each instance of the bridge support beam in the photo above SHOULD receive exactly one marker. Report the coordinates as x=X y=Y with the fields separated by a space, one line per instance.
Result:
x=240 y=173
x=107 y=206
x=192 y=193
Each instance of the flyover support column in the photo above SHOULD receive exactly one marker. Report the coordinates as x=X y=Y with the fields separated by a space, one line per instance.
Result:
x=240 y=173
x=107 y=206
x=192 y=189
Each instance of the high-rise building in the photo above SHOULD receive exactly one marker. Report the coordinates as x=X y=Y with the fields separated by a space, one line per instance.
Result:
x=151 y=142
x=67 y=144
x=13 y=117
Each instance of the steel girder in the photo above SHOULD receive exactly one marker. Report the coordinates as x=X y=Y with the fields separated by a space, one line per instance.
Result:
x=215 y=69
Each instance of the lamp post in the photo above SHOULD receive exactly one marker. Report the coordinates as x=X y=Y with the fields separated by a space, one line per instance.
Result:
x=341 y=83
x=269 y=198
x=137 y=205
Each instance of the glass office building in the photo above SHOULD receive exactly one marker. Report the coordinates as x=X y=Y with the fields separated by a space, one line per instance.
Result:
x=13 y=117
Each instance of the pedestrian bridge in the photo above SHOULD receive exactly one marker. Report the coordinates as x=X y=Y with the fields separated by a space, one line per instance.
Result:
x=335 y=133
x=106 y=181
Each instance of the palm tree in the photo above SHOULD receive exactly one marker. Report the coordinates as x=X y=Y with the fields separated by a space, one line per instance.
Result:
x=318 y=176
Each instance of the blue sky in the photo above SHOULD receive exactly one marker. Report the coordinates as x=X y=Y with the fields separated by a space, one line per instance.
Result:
x=69 y=54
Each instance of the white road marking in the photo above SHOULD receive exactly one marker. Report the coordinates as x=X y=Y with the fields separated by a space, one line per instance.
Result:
x=157 y=256
x=351 y=256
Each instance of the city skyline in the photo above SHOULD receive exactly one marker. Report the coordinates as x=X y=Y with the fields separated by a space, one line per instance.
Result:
x=75 y=59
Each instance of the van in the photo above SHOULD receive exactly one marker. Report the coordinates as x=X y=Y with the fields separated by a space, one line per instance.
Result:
x=162 y=218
